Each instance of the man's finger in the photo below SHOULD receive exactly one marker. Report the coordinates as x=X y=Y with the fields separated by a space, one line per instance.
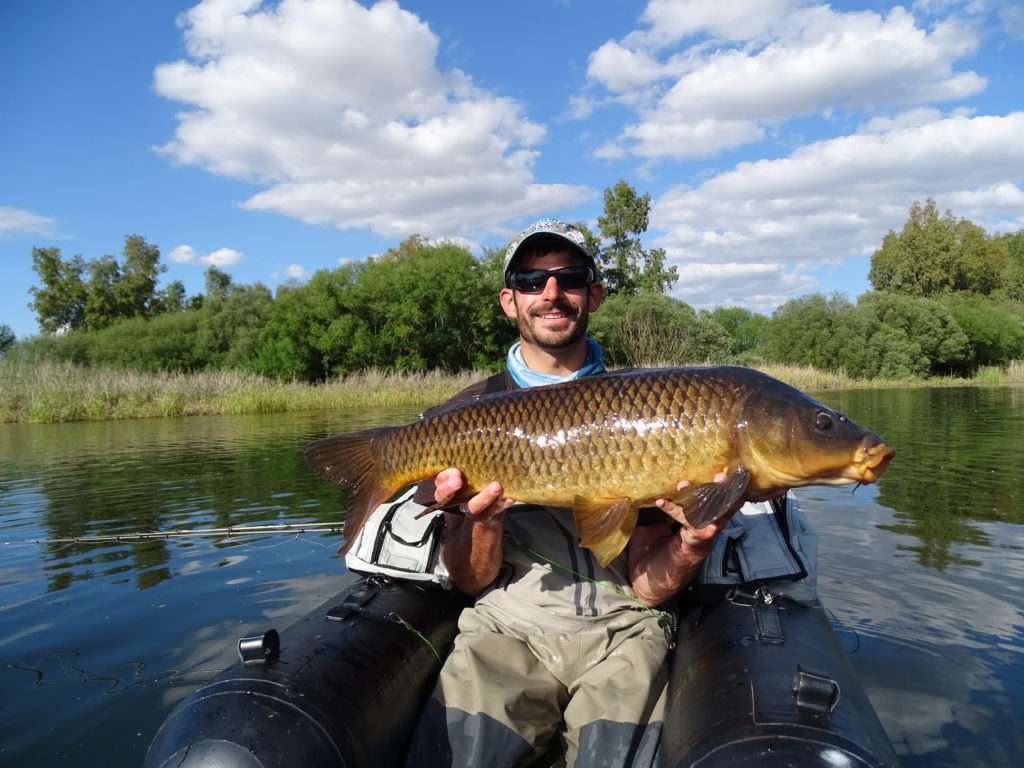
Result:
x=488 y=496
x=447 y=483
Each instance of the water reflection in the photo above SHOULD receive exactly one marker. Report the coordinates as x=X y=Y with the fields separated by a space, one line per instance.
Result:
x=959 y=462
x=924 y=572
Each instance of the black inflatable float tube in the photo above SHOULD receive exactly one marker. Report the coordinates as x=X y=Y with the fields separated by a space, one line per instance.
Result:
x=762 y=681
x=341 y=688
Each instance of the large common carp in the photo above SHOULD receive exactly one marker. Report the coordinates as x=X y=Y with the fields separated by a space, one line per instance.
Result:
x=607 y=445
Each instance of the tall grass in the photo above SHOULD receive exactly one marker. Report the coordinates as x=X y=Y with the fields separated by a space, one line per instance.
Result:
x=54 y=391
x=41 y=391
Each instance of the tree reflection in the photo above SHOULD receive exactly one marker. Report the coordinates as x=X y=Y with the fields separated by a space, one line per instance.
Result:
x=959 y=461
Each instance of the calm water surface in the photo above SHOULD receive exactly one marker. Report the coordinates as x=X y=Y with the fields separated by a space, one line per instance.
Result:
x=924 y=574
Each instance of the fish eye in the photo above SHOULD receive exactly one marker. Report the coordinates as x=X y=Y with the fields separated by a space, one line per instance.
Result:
x=823 y=421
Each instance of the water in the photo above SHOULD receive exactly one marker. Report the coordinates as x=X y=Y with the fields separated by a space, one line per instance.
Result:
x=923 y=573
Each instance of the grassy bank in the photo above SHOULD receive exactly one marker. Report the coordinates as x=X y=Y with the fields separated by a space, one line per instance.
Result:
x=56 y=392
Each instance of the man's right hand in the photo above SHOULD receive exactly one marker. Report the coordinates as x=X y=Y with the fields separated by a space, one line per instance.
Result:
x=472 y=550
x=487 y=506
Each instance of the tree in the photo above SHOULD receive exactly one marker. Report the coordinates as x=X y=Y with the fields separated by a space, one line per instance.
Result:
x=994 y=329
x=909 y=336
x=102 y=306
x=136 y=290
x=653 y=329
x=824 y=332
x=173 y=298
x=230 y=328
x=936 y=254
x=625 y=265
x=60 y=303
x=7 y=339
x=217 y=284
x=743 y=326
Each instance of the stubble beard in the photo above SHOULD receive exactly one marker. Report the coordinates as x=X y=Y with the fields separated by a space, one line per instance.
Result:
x=553 y=340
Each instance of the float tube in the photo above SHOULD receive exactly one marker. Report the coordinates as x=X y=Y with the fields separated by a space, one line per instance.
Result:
x=756 y=680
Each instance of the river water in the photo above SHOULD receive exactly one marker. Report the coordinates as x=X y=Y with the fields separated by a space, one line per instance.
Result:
x=924 y=574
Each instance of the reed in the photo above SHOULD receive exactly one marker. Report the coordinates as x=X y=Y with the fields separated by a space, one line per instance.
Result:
x=41 y=391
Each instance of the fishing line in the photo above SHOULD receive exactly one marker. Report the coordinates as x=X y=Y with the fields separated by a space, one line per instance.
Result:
x=233 y=530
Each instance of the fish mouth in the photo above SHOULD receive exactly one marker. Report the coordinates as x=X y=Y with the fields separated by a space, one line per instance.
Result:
x=870 y=461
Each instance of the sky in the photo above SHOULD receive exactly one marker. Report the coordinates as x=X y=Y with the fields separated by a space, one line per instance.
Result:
x=779 y=140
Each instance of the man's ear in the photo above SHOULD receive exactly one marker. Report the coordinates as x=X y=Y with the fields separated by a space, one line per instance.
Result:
x=507 y=299
x=595 y=295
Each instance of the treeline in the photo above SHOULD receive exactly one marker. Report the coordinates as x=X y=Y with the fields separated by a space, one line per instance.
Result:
x=947 y=299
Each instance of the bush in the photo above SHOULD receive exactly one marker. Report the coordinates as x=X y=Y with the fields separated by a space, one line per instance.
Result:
x=651 y=329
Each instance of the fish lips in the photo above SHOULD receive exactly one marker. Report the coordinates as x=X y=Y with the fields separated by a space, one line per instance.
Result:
x=870 y=461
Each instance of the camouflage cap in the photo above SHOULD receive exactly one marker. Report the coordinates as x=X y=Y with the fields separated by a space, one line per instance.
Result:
x=567 y=232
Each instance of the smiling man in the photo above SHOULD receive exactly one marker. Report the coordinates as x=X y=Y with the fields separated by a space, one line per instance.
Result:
x=556 y=647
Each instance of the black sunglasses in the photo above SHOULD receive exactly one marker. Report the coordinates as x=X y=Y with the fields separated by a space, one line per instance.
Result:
x=534 y=280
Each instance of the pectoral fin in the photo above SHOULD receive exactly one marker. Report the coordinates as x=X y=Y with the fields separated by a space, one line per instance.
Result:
x=604 y=525
x=708 y=503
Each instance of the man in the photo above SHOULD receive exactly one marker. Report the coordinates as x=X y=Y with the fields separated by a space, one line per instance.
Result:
x=553 y=637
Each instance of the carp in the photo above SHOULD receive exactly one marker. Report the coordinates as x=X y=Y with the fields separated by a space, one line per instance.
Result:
x=607 y=445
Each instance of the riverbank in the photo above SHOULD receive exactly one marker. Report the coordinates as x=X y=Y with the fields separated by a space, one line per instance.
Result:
x=45 y=392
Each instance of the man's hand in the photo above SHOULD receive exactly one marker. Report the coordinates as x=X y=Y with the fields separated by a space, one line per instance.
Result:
x=485 y=507
x=661 y=562
x=472 y=550
x=696 y=538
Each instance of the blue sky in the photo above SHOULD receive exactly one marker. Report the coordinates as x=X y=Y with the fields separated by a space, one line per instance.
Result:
x=779 y=139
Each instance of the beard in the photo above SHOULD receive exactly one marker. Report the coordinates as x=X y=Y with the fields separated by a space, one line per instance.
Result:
x=529 y=326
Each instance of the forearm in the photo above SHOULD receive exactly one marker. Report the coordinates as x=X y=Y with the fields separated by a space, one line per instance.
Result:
x=664 y=566
x=472 y=551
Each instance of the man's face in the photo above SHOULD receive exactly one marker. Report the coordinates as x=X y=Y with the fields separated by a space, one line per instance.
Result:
x=553 y=318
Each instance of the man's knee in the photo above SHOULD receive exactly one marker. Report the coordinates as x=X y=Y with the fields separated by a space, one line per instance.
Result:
x=447 y=737
x=617 y=745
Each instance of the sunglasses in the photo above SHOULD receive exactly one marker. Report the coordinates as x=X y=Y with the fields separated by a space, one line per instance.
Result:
x=534 y=280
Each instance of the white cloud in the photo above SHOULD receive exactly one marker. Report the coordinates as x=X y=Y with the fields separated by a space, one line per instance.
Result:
x=342 y=113
x=759 y=287
x=673 y=20
x=19 y=221
x=222 y=257
x=715 y=95
x=295 y=272
x=834 y=199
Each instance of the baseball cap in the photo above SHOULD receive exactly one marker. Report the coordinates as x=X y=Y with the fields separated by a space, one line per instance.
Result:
x=567 y=232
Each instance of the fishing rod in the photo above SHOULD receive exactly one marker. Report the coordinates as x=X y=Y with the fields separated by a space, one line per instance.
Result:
x=233 y=530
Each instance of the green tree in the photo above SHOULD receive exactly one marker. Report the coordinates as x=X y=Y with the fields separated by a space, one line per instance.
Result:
x=230 y=327
x=102 y=305
x=626 y=267
x=7 y=339
x=995 y=329
x=1012 y=278
x=743 y=326
x=652 y=329
x=217 y=284
x=299 y=333
x=136 y=290
x=909 y=336
x=935 y=254
x=173 y=298
x=418 y=307
x=824 y=332
x=60 y=303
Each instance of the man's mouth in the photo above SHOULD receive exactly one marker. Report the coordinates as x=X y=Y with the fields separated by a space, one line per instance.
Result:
x=555 y=314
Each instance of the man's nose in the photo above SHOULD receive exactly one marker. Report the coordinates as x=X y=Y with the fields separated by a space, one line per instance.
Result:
x=551 y=288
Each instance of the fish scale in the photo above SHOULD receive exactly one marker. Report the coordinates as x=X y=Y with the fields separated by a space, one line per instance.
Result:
x=605 y=445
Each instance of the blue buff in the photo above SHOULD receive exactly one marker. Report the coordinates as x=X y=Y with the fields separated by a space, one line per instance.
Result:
x=525 y=376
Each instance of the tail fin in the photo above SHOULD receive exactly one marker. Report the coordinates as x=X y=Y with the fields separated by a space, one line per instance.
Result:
x=348 y=460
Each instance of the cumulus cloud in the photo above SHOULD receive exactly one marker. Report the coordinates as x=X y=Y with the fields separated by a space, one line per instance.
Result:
x=754 y=70
x=295 y=272
x=19 y=221
x=342 y=114
x=222 y=257
x=834 y=199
